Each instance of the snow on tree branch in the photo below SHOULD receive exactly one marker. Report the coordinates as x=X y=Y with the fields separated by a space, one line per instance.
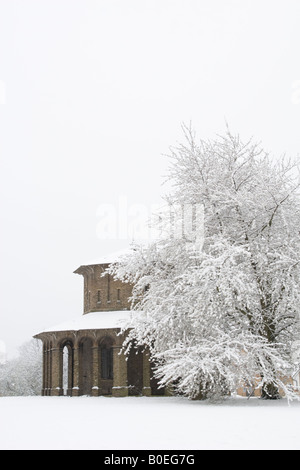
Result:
x=226 y=311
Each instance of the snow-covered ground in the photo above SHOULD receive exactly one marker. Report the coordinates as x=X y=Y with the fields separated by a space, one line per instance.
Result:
x=157 y=423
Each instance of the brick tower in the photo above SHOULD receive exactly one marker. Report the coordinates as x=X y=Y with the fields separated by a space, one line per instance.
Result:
x=83 y=356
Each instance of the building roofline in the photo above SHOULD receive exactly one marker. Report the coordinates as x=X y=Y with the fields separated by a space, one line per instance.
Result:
x=104 y=260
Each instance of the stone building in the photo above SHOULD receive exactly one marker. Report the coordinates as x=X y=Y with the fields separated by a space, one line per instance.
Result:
x=83 y=356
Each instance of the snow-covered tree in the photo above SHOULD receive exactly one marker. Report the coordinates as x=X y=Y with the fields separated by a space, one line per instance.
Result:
x=224 y=311
x=22 y=376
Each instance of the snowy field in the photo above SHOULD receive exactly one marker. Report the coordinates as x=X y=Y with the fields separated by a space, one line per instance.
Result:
x=157 y=423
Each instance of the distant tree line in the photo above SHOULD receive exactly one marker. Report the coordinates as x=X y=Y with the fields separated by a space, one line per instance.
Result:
x=22 y=375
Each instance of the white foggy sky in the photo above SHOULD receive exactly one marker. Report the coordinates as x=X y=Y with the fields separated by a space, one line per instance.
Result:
x=92 y=93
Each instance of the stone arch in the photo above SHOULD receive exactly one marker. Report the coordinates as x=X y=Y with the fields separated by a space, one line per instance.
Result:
x=106 y=364
x=67 y=366
x=135 y=371
x=86 y=365
x=107 y=340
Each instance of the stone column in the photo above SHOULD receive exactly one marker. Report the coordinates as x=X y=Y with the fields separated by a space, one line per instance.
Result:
x=76 y=375
x=95 y=372
x=56 y=388
x=48 y=369
x=120 y=385
x=44 y=386
x=146 y=374
x=70 y=371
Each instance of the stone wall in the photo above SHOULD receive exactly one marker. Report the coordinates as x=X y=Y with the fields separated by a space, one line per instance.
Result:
x=102 y=292
x=81 y=373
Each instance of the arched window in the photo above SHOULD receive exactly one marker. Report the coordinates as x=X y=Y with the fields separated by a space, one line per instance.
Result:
x=135 y=371
x=86 y=366
x=67 y=368
x=106 y=360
